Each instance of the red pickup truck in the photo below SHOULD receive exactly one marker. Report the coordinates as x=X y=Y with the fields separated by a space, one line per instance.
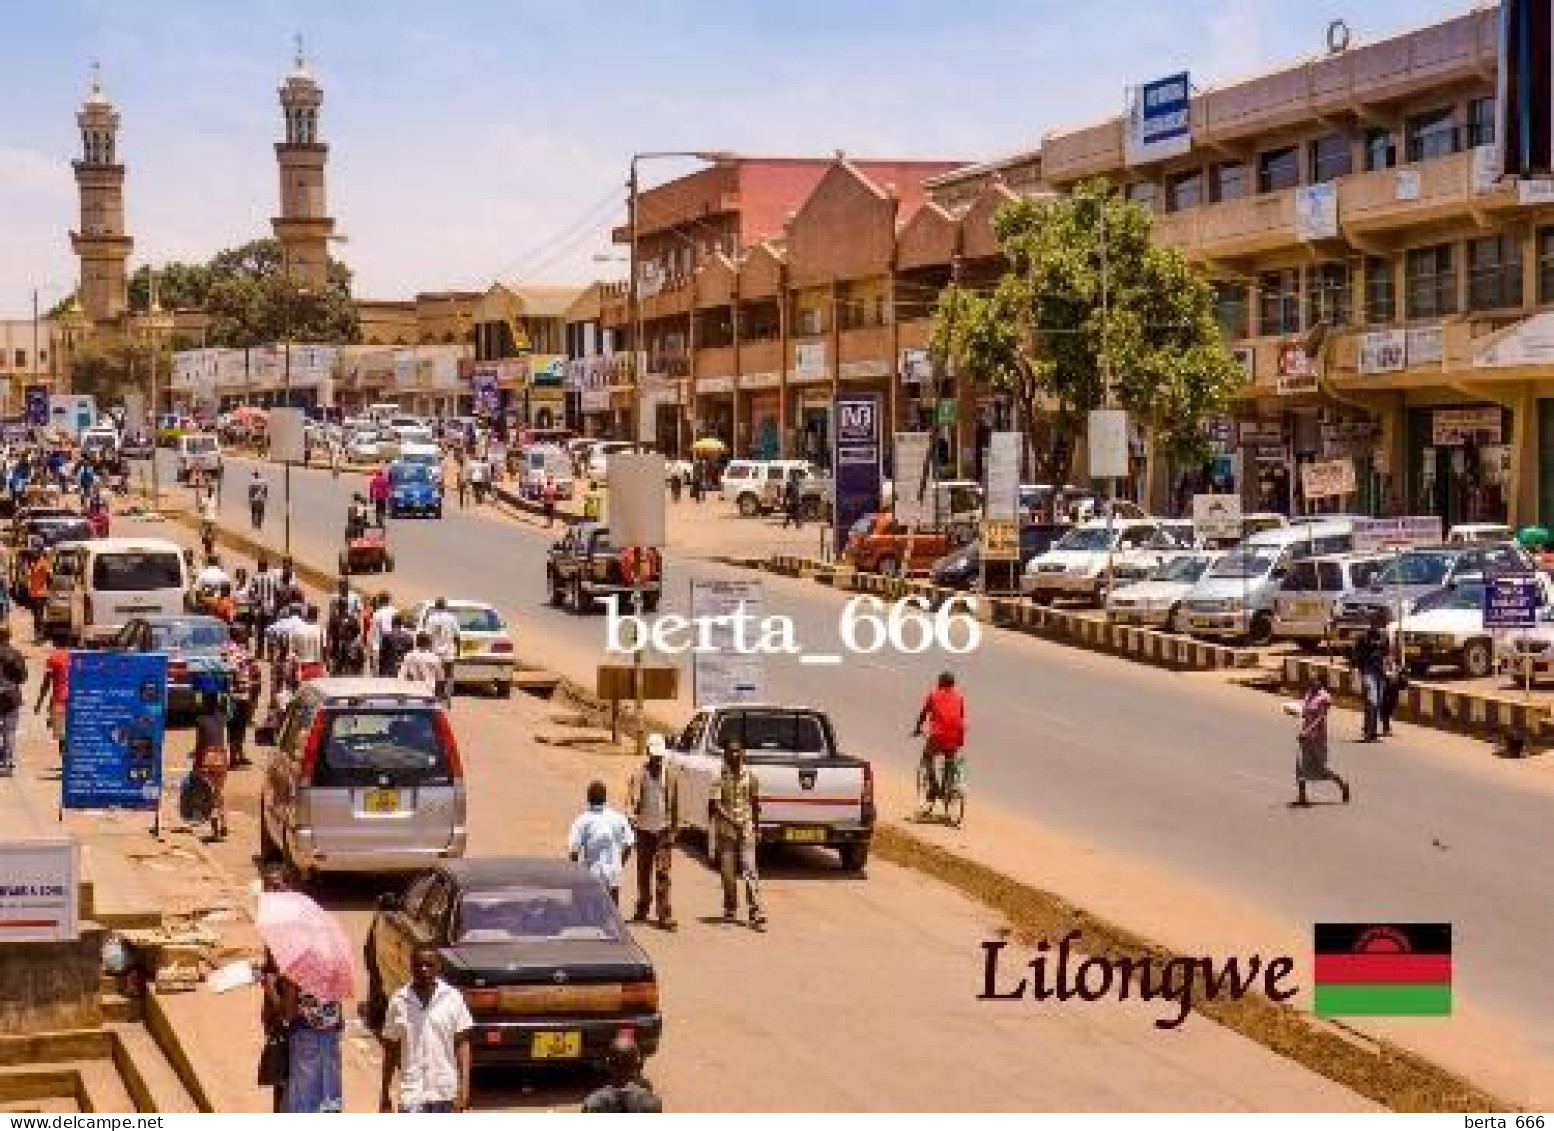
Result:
x=877 y=543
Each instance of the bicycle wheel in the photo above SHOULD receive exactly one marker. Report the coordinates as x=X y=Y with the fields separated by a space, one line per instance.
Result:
x=955 y=806
x=923 y=786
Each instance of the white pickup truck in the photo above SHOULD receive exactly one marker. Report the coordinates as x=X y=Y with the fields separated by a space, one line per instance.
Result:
x=810 y=793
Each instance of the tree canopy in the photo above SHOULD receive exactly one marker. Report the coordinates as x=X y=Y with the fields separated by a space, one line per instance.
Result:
x=1040 y=334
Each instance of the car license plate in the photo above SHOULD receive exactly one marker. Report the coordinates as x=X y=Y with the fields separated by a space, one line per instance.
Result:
x=1308 y=608
x=556 y=1046
x=382 y=801
x=1412 y=651
x=469 y=647
x=1204 y=622
x=804 y=836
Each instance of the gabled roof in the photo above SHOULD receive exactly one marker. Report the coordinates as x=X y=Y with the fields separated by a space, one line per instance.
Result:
x=931 y=236
x=977 y=240
x=760 y=272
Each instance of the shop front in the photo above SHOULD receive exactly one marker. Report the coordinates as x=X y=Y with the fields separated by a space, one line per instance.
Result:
x=714 y=415
x=809 y=407
x=1459 y=460
x=765 y=410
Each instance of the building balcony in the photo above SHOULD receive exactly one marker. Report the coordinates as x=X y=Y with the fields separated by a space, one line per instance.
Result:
x=717 y=361
x=1250 y=226
x=762 y=356
x=1421 y=193
x=915 y=333
x=677 y=297
x=867 y=343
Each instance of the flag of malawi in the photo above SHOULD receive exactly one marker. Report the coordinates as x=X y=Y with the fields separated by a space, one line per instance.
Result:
x=1386 y=969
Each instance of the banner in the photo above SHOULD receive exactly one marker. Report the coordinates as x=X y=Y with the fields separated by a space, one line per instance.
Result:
x=724 y=676
x=115 y=719
x=1297 y=370
x=913 y=477
x=1511 y=601
x=1003 y=475
x=1456 y=427
x=1383 y=351
x=39 y=891
x=1316 y=212
x=1372 y=534
x=856 y=458
x=809 y=360
x=1529 y=342
x=1326 y=479
x=1425 y=345
x=1159 y=120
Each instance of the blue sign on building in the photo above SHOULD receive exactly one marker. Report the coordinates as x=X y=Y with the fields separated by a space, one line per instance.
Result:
x=38 y=406
x=856 y=460
x=1159 y=121
x=115 y=720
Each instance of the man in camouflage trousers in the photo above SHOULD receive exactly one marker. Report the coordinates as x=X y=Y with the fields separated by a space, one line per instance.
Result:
x=652 y=809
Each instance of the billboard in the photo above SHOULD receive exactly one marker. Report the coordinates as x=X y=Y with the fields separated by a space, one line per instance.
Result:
x=856 y=458
x=1159 y=120
x=115 y=719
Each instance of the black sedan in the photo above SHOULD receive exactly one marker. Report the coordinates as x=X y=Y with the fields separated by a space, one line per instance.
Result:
x=195 y=653
x=538 y=949
x=962 y=568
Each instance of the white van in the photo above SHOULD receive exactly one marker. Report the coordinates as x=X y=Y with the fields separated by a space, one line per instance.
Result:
x=546 y=461
x=1236 y=597
x=118 y=579
x=199 y=451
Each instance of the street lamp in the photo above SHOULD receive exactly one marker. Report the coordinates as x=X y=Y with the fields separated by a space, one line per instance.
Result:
x=634 y=300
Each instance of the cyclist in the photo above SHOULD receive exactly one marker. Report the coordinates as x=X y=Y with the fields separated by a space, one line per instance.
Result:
x=945 y=713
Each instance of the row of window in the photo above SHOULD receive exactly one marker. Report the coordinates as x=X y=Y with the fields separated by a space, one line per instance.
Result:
x=1435 y=133
x=19 y=360
x=1431 y=287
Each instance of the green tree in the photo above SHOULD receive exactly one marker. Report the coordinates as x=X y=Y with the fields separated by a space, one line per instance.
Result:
x=108 y=367
x=180 y=286
x=1040 y=333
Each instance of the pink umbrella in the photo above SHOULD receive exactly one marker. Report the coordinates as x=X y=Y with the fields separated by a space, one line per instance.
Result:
x=308 y=944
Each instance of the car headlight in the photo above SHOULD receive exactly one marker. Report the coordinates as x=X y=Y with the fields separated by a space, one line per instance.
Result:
x=1232 y=605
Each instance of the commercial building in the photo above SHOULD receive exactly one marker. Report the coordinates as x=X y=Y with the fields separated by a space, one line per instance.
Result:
x=29 y=355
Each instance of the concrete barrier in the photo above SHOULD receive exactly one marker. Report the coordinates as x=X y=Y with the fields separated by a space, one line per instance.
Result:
x=1467 y=711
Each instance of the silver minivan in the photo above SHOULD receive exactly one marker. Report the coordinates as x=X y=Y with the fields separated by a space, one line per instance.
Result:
x=1303 y=610
x=365 y=777
x=1236 y=597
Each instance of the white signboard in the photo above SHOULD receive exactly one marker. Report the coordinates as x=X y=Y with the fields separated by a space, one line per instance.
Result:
x=1425 y=346
x=1454 y=427
x=635 y=497
x=1531 y=192
x=1383 y=351
x=1372 y=534
x=1108 y=435
x=913 y=477
x=809 y=360
x=1329 y=478
x=1316 y=212
x=1159 y=120
x=1216 y=517
x=723 y=676
x=1003 y=475
x=287 y=438
x=39 y=882
x=1408 y=184
x=1486 y=169
x=916 y=367
x=1529 y=342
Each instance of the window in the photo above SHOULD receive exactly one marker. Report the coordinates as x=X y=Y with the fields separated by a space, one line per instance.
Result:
x=1330 y=158
x=382 y=747
x=765 y=731
x=1380 y=153
x=21 y=359
x=137 y=571
x=1279 y=308
x=1380 y=291
x=1481 y=122
x=1327 y=294
x=1232 y=310
x=1546 y=264
x=1227 y=181
x=1430 y=279
x=1184 y=190
x=1278 y=169
x=1143 y=192
x=1431 y=135
x=1494 y=273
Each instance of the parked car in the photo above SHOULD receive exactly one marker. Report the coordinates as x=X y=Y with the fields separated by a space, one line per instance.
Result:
x=365 y=777
x=877 y=543
x=1446 y=628
x=584 y=566
x=1303 y=610
x=810 y=792
x=137 y=445
x=598 y=467
x=548 y=970
x=195 y=648
x=962 y=568
x=100 y=440
x=1156 y=601
x=1076 y=566
x=119 y=579
x=366 y=446
x=1416 y=572
x=486 y=653
x=414 y=489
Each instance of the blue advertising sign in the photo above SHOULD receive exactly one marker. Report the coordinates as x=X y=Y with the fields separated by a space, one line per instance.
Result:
x=855 y=459
x=115 y=719
x=1159 y=122
x=38 y=406
x=1512 y=601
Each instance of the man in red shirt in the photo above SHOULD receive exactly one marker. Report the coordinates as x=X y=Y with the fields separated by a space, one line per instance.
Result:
x=56 y=688
x=945 y=713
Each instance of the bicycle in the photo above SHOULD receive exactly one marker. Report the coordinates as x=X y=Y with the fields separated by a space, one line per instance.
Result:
x=952 y=794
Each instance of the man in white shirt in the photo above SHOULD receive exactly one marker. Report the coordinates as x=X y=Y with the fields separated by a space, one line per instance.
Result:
x=601 y=840
x=443 y=628
x=307 y=646
x=383 y=616
x=212 y=577
x=426 y=1038
x=421 y=665
x=281 y=632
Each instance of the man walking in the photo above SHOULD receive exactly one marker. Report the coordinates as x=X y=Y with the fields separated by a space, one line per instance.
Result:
x=652 y=809
x=790 y=504
x=601 y=840
x=443 y=627
x=210 y=513
x=735 y=815
x=56 y=689
x=1369 y=658
x=397 y=643
x=258 y=496
x=13 y=677
x=378 y=492
x=383 y=614
x=264 y=590
x=421 y=664
x=426 y=1035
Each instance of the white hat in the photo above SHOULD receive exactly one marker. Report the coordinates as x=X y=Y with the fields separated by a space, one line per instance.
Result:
x=656 y=746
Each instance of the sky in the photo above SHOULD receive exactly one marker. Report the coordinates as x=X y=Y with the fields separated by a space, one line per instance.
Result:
x=473 y=140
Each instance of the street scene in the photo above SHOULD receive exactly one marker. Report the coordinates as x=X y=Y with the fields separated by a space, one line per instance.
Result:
x=1065 y=626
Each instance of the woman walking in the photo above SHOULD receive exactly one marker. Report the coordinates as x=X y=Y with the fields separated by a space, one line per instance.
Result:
x=1312 y=764
x=211 y=760
x=313 y=1077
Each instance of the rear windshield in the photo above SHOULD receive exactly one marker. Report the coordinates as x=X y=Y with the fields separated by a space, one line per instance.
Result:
x=1303 y=577
x=131 y=571
x=392 y=746
x=187 y=635
x=478 y=620
x=575 y=911
x=785 y=732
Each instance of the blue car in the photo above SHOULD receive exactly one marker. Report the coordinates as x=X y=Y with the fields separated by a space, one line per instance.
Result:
x=414 y=489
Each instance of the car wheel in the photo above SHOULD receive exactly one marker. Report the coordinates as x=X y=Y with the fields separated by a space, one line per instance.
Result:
x=1478 y=659
x=855 y=856
x=1261 y=630
x=1173 y=619
x=268 y=849
x=504 y=688
x=749 y=506
x=437 y=513
x=888 y=567
x=558 y=596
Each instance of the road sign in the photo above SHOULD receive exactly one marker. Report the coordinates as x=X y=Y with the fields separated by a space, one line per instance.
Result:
x=723 y=675
x=1000 y=540
x=115 y=719
x=1511 y=601
x=1216 y=517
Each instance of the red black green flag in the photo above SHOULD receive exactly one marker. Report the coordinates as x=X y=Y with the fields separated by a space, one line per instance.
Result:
x=1383 y=969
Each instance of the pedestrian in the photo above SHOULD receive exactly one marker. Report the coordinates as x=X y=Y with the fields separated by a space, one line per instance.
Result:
x=291 y=589
x=626 y=1090
x=382 y=619
x=211 y=760
x=306 y=646
x=244 y=614
x=13 y=677
x=243 y=696
x=1312 y=711
x=652 y=807
x=421 y=664
x=463 y=477
x=1394 y=680
x=548 y=493
x=224 y=606
x=342 y=628
x=426 y=1040
x=1369 y=658
x=443 y=627
x=378 y=492
x=675 y=486
x=698 y=486
x=273 y=1056
x=313 y=1068
x=736 y=814
x=263 y=602
x=397 y=643
x=355 y=517
x=56 y=689
x=258 y=496
x=334 y=456
x=209 y=515
x=790 y=503
x=601 y=840
x=40 y=576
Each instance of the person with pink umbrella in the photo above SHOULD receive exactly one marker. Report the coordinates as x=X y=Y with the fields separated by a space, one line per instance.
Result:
x=314 y=963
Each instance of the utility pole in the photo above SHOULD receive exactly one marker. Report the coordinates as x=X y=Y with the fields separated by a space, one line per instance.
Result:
x=634 y=303
x=1110 y=392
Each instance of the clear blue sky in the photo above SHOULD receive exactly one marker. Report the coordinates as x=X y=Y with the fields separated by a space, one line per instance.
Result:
x=468 y=136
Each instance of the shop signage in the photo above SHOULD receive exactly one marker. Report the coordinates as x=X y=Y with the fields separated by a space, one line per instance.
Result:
x=596 y=400
x=1407 y=185
x=1297 y=370
x=946 y=413
x=39 y=890
x=1512 y=600
x=1326 y=479
x=1350 y=438
x=1454 y=427
x=809 y=361
x=1424 y=345
x=857 y=370
x=1216 y=517
x=114 y=722
x=1316 y=212
x=1535 y=191
x=760 y=380
x=856 y=458
x=1529 y=342
x=721 y=674
x=1372 y=534
x=1246 y=357
x=1000 y=540
x=916 y=367
x=1383 y=351
x=1265 y=432
x=714 y=385
x=1159 y=120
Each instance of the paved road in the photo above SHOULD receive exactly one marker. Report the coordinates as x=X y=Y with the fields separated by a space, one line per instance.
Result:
x=1164 y=766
